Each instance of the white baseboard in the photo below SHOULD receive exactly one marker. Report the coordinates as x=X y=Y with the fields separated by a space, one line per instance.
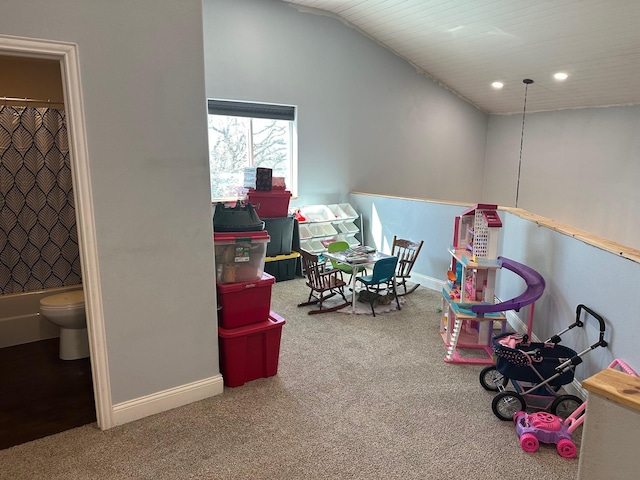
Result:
x=427 y=282
x=518 y=324
x=141 y=407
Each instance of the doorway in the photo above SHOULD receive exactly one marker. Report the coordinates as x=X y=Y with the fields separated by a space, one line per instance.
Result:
x=67 y=55
x=39 y=256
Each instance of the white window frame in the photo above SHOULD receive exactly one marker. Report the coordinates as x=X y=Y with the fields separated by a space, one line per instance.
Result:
x=265 y=111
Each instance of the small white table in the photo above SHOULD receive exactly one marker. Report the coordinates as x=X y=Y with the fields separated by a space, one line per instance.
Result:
x=344 y=257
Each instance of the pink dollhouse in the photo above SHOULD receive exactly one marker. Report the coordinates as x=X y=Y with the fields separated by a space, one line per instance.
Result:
x=477 y=231
x=476 y=235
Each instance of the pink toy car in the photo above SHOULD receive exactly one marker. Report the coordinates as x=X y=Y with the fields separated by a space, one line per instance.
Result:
x=546 y=428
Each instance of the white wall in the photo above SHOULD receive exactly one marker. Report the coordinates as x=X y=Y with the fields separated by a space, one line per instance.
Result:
x=575 y=273
x=366 y=119
x=579 y=167
x=416 y=220
x=141 y=65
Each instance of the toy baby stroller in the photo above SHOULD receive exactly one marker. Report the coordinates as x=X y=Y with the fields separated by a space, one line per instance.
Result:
x=537 y=372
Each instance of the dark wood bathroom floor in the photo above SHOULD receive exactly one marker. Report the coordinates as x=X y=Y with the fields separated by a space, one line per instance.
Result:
x=40 y=394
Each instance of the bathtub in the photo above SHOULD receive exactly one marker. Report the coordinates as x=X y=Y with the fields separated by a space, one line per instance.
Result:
x=20 y=320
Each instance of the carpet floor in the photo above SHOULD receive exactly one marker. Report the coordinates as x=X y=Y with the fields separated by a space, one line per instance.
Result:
x=355 y=397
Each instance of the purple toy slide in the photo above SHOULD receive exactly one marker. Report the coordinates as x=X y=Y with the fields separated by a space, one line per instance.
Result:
x=535 y=288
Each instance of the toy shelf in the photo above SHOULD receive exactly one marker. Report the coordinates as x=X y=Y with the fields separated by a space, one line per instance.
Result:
x=327 y=223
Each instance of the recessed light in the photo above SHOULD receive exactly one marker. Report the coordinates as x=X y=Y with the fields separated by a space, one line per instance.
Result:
x=497 y=85
x=560 y=76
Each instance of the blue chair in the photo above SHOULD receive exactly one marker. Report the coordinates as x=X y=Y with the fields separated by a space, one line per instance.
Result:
x=382 y=278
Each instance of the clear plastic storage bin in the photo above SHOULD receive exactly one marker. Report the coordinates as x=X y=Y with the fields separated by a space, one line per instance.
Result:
x=240 y=255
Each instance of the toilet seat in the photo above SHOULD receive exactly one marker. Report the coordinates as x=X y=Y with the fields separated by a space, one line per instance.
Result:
x=66 y=311
x=63 y=301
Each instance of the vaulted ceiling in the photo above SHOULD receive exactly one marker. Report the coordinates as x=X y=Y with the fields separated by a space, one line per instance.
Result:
x=465 y=45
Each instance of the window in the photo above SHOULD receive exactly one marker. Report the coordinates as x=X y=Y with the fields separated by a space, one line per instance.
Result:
x=245 y=134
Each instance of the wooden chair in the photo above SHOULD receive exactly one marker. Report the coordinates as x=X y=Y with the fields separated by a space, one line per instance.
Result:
x=407 y=252
x=382 y=279
x=323 y=283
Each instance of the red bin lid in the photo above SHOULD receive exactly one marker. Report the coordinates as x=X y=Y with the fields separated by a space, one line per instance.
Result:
x=268 y=193
x=274 y=321
x=240 y=236
x=265 y=281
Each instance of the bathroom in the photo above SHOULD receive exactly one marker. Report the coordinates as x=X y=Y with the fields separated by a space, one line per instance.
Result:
x=39 y=259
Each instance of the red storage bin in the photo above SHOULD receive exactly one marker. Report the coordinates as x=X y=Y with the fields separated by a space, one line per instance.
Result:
x=250 y=352
x=244 y=303
x=271 y=204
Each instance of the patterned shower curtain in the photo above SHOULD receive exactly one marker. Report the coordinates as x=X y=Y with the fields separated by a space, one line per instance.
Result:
x=38 y=236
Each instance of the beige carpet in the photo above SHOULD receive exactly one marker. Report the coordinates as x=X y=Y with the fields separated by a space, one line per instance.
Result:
x=356 y=397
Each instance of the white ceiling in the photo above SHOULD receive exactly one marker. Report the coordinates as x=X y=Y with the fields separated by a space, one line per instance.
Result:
x=465 y=45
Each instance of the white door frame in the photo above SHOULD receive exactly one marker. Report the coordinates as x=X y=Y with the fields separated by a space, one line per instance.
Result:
x=67 y=53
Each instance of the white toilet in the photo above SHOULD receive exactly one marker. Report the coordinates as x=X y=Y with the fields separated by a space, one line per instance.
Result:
x=66 y=310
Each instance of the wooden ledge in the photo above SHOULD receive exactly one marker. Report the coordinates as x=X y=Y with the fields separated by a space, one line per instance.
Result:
x=582 y=235
x=615 y=385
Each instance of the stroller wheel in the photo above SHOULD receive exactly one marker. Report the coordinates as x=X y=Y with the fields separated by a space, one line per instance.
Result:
x=506 y=404
x=565 y=405
x=491 y=379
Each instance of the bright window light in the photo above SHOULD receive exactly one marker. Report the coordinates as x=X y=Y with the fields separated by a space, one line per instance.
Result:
x=243 y=134
x=497 y=85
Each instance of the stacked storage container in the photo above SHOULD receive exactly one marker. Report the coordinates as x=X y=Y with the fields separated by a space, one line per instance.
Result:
x=248 y=331
x=273 y=207
x=281 y=260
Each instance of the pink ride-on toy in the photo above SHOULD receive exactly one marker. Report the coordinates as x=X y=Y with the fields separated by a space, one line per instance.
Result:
x=546 y=428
